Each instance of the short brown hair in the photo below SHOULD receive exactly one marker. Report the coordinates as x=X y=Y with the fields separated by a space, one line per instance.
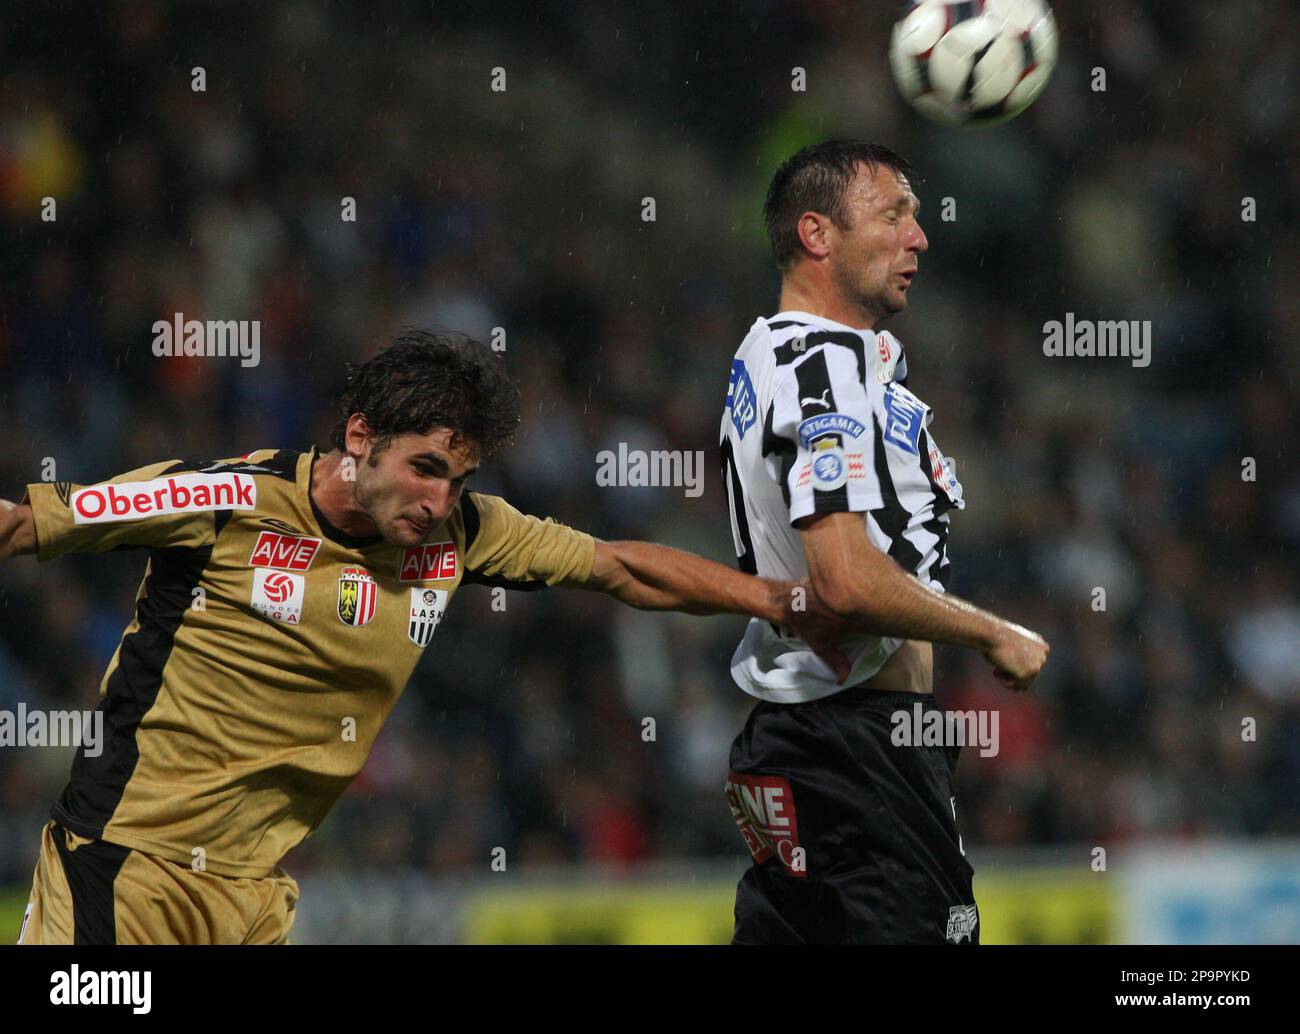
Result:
x=816 y=179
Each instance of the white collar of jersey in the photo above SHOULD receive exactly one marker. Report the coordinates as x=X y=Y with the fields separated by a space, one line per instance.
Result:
x=892 y=365
x=808 y=317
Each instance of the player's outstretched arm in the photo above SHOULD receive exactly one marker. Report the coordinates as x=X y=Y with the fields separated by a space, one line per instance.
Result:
x=654 y=577
x=17 y=530
x=862 y=585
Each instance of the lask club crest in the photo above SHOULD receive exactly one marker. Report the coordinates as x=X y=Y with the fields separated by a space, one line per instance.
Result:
x=427 y=608
x=358 y=596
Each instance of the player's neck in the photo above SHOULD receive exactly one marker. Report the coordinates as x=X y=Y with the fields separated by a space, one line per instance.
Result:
x=335 y=496
x=798 y=295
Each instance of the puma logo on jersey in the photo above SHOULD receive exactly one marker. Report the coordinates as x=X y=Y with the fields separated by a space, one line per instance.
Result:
x=817 y=402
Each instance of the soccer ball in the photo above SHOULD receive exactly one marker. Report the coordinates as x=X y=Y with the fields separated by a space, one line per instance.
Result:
x=973 y=62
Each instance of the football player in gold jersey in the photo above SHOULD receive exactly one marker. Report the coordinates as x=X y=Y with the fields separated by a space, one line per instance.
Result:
x=287 y=598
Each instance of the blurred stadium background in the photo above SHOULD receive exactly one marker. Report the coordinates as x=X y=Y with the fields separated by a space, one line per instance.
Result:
x=522 y=210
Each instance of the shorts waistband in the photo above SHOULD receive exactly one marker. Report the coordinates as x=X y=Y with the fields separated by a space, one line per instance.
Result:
x=892 y=698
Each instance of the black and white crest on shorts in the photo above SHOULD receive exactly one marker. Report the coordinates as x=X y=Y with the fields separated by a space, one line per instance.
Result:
x=962 y=920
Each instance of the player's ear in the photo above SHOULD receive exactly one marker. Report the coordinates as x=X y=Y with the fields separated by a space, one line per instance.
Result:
x=358 y=436
x=813 y=228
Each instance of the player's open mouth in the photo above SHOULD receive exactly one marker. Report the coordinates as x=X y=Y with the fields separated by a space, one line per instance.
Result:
x=906 y=276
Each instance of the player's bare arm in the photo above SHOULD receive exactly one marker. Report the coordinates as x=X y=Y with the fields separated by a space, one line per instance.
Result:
x=654 y=577
x=17 y=530
x=862 y=585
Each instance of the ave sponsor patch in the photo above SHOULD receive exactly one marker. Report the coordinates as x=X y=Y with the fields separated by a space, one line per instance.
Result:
x=358 y=597
x=763 y=807
x=181 y=493
x=427 y=608
x=278 y=595
x=429 y=563
x=283 y=552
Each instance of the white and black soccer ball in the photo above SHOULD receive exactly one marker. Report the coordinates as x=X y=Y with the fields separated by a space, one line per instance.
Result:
x=973 y=62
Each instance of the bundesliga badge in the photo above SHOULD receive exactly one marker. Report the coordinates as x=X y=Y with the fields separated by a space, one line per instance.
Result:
x=427 y=607
x=830 y=469
x=358 y=595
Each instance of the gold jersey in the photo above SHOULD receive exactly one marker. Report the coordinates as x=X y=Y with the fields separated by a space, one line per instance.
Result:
x=267 y=646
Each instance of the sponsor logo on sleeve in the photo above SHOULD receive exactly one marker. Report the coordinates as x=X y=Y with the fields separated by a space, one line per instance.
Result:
x=885 y=343
x=830 y=469
x=905 y=415
x=742 y=403
x=763 y=807
x=830 y=466
x=944 y=473
x=283 y=552
x=427 y=608
x=278 y=595
x=429 y=563
x=829 y=423
x=358 y=596
x=181 y=493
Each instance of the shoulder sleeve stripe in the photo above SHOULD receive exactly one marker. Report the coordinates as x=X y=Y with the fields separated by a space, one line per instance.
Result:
x=783 y=447
x=469 y=511
x=499 y=582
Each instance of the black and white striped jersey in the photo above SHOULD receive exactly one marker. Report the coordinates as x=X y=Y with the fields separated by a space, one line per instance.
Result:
x=818 y=419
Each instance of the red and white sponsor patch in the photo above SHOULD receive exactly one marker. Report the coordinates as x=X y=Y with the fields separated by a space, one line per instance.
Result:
x=279 y=596
x=429 y=563
x=181 y=493
x=763 y=807
x=855 y=461
x=283 y=552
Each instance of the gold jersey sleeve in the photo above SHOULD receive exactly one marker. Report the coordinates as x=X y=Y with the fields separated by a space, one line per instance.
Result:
x=159 y=506
x=507 y=548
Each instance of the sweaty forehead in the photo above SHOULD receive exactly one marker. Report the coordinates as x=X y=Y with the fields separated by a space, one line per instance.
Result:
x=870 y=191
x=438 y=443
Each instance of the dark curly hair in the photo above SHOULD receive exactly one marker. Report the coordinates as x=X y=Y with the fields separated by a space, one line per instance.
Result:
x=426 y=379
x=816 y=180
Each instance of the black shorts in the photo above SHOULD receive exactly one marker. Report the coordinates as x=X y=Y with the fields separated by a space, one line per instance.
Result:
x=854 y=839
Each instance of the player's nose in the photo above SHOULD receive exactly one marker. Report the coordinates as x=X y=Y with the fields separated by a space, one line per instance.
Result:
x=437 y=504
x=918 y=242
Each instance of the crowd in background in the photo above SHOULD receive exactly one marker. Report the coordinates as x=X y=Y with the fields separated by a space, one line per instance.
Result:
x=1170 y=196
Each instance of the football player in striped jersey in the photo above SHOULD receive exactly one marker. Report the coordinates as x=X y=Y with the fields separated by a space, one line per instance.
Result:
x=833 y=473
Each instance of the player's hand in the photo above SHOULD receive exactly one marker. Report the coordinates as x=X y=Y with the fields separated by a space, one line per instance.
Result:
x=5 y=504
x=812 y=621
x=1017 y=656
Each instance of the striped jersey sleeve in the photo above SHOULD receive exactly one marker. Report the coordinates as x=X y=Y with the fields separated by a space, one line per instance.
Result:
x=821 y=427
